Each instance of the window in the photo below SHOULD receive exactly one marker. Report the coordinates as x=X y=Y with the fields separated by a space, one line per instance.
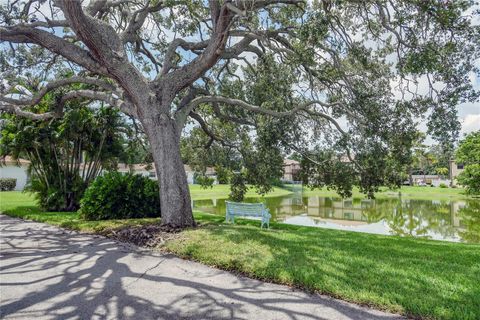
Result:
x=329 y=213
x=460 y=166
x=348 y=216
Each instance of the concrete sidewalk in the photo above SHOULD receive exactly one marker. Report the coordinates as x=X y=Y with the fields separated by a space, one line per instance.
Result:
x=51 y=273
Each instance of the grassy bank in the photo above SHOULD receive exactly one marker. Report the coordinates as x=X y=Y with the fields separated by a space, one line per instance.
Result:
x=407 y=192
x=421 y=278
x=221 y=191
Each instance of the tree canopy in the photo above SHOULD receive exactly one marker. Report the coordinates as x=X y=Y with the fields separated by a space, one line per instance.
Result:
x=468 y=154
x=325 y=79
x=468 y=151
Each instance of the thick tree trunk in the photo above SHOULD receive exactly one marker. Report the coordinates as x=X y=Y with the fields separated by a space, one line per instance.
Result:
x=175 y=205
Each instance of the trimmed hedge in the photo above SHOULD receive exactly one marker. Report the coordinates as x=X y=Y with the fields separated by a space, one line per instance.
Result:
x=8 y=184
x=118 y=196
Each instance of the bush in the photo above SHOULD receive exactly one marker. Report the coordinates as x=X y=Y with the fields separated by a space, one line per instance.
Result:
x=238 y=187
x=57 y=196
x=224 y=175
x=443 y=185
x=117 y=196
x=470 y=179
x=8 y=184
x=204 y=181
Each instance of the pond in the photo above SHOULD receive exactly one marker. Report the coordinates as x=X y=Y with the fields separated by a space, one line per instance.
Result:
x=446 y=220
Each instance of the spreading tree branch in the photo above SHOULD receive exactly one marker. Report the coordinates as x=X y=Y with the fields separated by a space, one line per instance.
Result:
x=305 y=107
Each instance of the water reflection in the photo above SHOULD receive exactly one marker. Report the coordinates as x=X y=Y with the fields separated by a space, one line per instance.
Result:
x=431 y=219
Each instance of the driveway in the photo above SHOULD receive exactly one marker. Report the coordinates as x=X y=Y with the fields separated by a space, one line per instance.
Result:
x=50 y=273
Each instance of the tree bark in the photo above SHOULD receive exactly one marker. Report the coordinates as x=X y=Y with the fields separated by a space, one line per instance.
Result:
x=175 y=204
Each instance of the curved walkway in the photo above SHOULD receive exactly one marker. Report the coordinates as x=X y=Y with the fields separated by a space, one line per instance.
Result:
x=50 y=273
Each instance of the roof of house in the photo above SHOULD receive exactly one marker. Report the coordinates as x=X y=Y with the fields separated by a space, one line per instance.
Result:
x=288 y=162
x=209 y=170
x=136 y=167
x=8 y=160
x=425 y=176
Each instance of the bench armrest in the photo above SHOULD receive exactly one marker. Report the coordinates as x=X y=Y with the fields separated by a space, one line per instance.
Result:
x=266 y=213
x=266 y=218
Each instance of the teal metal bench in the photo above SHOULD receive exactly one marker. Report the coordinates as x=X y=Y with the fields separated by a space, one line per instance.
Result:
x=247 y=210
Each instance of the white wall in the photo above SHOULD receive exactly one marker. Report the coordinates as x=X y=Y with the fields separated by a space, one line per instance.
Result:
x=189 y=177
x=19 y=173
x=436 y=183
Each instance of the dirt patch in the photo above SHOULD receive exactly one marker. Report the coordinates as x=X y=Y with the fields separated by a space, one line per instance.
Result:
x=144 y=236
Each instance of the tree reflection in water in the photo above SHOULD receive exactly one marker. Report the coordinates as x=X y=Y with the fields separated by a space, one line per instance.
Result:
x=470 y=221
x=421 y=218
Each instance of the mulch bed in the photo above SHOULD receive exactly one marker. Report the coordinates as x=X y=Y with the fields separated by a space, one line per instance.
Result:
x=151 y=235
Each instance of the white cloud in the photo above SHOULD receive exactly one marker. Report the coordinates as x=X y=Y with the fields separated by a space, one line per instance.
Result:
x=470 y=123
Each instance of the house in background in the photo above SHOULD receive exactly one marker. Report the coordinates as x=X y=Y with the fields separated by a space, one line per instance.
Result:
x=290 y=169
x=17 y=169
x=455 y=170
x=429 y=179
x=210 y=172
x=148 y=170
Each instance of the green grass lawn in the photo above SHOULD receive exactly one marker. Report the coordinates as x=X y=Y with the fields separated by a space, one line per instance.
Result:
x=420 y=278
x=414 y=192
x=426 y=193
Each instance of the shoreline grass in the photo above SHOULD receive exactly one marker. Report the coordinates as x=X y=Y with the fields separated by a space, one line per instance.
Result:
x=406 y=192
x=419 y=278
x=222 y=191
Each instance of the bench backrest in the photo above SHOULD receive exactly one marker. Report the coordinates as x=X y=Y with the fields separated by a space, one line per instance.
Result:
x=245 y=209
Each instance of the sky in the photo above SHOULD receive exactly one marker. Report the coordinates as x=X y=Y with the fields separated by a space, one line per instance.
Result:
x=469 y=113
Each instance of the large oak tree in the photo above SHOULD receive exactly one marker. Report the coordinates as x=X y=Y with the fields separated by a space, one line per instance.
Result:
x=298 y=75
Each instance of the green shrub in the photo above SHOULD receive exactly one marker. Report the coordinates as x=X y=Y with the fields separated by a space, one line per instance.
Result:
x=57 y=196
x=8 y=184
x=117 y=196
x=443 y=185
x=238 y=187
x=470 y=179
x=204 y=181
x=224 y=175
